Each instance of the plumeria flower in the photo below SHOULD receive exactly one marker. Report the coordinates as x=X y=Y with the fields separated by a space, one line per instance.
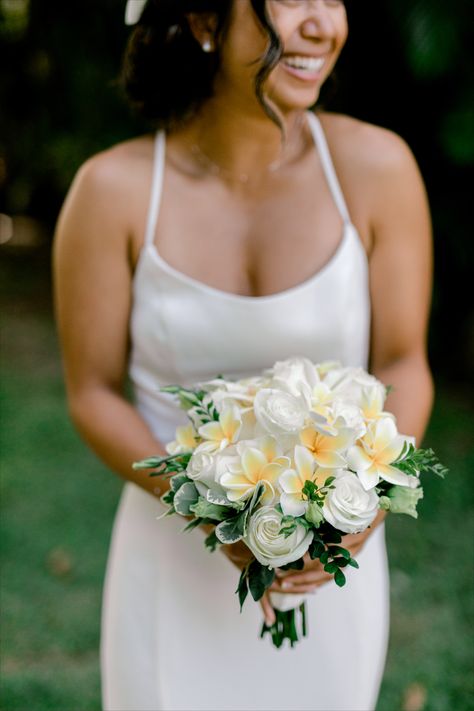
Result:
x=372 y=457
x=186 y=440
x=292 y=481
x=371 y=403
x=327 y=449
x=326 y=366
x=224 y=431
x=321 y=399
x=262 y=464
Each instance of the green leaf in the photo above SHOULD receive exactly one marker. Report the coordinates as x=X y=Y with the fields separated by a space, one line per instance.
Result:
x=341 y=562
x=177 y=481
x=233 y=529
x=324 y=557
x=222 y=500
x=353 y=563
x=164 y=465
x=211 y=541
x=260 y=578
x=193 y=524
x=204 y=509
x=294 y=565
x=414 y=461
x=256 y=496
x=184 y=498
x=310 y=490
x=338 y=550
x=315 y=549
x=331 y=568
x=330 y=534
x=168 y=497
x=242 y=588
x=340 y=578
x=288 y=526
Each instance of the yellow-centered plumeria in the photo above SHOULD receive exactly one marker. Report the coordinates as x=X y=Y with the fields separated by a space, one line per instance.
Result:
x=372 y=456
x=322 y=398
x=260 y=463
x=185 y=441
x=371 y=403
x=292 y=481
x=326 y=448
x=224 y=431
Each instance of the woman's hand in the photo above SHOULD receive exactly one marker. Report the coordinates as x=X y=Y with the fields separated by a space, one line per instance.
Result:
x=313 y=574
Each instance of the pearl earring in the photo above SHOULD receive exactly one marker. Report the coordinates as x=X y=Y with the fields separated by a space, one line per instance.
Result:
x=207 y=46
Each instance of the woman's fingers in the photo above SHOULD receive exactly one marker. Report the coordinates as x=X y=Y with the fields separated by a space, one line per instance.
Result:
x=312 y=577
x=268 y=611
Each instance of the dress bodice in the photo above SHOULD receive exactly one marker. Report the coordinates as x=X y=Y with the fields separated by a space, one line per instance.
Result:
x=184 y=331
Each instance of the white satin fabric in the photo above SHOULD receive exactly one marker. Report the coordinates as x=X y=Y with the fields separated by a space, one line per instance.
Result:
x=172 y=635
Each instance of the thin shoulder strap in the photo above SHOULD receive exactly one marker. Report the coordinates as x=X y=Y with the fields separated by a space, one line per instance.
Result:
x=328 y=166
x=156 y=186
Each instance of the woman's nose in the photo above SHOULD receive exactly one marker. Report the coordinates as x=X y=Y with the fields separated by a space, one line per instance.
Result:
x=318 y=23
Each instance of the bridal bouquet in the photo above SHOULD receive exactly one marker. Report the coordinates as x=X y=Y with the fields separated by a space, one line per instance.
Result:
x=289 y=462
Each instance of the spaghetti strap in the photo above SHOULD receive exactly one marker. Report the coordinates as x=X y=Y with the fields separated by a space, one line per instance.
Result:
x=156 y=187
x=328 y=166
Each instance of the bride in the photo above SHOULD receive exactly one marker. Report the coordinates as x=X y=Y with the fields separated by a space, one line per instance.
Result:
x=247 y=229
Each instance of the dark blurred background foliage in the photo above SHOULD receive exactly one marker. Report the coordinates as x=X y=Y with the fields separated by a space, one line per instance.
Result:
x=408 y=66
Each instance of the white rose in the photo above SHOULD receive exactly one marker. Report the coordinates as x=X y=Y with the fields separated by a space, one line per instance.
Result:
x=206 y=467
x=269 y=546
x=297 y=375
x=349 y=507
x=351 y=415
x=279 y=412
x=352 y=384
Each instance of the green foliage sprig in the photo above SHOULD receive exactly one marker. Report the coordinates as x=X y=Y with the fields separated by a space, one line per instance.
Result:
x=414 y=461
x=313 y=495
x=333 y=557
x=194 y=399
x=170 y=465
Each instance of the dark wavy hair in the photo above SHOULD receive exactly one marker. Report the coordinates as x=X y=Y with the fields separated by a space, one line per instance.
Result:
x=166 y=76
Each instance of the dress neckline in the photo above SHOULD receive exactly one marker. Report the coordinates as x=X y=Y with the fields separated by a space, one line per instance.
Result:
x=349 y=231
x=349 y=235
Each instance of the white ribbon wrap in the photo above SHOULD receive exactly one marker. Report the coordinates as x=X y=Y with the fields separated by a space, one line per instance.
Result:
x=283 y=602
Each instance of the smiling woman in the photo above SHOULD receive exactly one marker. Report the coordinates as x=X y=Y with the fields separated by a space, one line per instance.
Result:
x=248 y=228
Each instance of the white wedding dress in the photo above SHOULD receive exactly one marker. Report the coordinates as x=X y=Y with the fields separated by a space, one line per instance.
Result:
x=173 y=638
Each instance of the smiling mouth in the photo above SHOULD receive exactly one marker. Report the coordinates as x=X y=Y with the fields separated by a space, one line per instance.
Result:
x=309 y=65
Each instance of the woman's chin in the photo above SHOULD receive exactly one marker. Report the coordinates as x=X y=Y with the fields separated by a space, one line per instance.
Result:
x=295 y=102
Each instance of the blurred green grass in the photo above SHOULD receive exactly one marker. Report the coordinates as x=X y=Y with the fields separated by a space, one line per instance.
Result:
x=58 y=503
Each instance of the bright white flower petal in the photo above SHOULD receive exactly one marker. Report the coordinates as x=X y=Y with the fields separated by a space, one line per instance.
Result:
x=290 y=482
x=304 y=462
x=292 y=505
x=385 y=433
x=395 y=476
x=358 y=459
x=253 y=462
x=212 y=431
x=369 y=478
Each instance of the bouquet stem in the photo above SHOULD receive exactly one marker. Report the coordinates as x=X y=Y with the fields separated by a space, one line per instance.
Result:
x=286 y=626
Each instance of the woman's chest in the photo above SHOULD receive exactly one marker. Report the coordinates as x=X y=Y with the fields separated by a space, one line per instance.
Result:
x=251 y=244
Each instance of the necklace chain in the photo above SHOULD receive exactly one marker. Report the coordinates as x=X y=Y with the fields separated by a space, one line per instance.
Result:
x=219 y=170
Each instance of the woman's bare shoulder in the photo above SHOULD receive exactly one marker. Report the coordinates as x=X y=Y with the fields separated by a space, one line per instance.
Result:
x=117 y=169
x=369 y=148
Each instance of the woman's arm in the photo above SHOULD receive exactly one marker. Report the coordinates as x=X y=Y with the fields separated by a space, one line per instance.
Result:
x=400 y=268
x=400 y=283
x=92 y=275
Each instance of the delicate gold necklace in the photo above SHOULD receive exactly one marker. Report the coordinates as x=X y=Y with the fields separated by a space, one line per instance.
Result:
x=219 y=170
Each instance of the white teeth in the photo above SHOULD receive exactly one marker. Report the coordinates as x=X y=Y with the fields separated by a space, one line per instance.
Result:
x=310 y=64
